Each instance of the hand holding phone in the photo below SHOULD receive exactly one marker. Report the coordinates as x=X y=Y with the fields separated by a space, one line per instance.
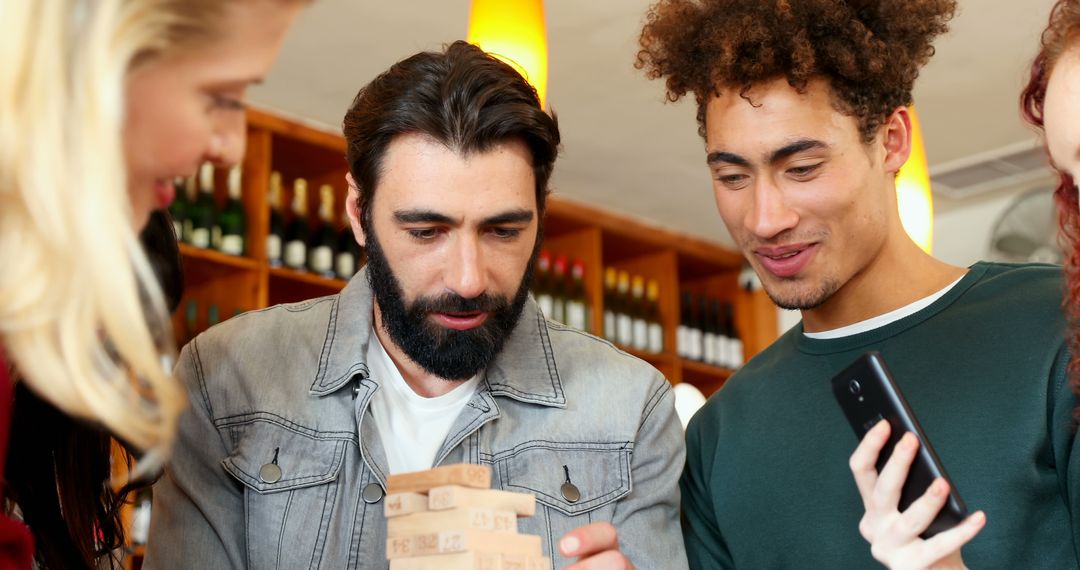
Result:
x=903 y=484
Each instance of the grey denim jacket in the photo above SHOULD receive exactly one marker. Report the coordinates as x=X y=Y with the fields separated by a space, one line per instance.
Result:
x=288 y=386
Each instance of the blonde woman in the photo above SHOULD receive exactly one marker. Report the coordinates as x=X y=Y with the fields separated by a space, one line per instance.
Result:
x=102 y=104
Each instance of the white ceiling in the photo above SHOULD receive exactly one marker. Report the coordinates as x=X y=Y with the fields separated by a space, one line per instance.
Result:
x=623 y=147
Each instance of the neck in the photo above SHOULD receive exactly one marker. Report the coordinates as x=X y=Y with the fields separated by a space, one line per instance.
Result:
x=899 y=275
x=421 y=381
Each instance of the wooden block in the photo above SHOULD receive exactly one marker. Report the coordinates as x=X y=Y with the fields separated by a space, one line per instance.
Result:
x=522 y=562
x=458 y=561
x=399 y=504
x=463 y=540
x=464 y=474
x=455 y=496
x=454 y=519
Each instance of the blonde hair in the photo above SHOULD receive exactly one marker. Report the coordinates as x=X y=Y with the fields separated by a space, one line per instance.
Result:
x=82 y=317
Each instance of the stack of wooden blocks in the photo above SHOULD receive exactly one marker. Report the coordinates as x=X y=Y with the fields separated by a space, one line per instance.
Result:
x=448 y=518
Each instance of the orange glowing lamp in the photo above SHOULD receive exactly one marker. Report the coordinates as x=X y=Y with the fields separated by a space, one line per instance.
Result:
x=913 y=191
x=515 y=32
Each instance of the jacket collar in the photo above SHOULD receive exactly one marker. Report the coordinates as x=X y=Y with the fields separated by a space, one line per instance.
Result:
x=524 y=370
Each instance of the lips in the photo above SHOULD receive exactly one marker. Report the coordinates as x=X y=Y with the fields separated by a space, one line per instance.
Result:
x=785 y=261
x=460 y=321
x=164 y=193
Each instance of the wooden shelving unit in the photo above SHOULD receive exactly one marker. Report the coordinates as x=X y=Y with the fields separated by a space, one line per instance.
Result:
x=597 y=237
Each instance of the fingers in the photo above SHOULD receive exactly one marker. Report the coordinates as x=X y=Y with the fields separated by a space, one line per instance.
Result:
x=610 y=560
x=949 y=542
x=589 y=539
x=886 y=493
x=922 y=512
x=864 y=459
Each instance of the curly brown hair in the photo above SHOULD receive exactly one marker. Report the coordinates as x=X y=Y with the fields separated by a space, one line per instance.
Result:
x=869 y=51
x=1061 y=35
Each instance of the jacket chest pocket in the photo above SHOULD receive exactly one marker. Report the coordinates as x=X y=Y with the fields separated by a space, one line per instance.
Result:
x=290 y=486
x=574 y=483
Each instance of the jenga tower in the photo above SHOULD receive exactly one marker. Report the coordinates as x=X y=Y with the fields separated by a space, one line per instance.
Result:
x=448 y=518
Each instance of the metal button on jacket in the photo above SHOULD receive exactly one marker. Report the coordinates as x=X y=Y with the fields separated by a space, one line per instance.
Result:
x=270 y=473
x=570 y=492
x=372 y=494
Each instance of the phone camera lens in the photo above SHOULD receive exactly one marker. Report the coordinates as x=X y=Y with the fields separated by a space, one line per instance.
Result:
x=855 y=387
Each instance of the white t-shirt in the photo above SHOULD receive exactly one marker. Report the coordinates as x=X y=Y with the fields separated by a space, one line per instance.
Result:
x=882 y=320
x=412 y=427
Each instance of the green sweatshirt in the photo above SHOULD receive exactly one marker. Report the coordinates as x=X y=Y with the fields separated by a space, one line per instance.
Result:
x=767 y=483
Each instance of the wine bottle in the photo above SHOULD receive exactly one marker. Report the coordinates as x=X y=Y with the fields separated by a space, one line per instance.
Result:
x=611 y=299
x=640 y=325
x=736 y=347
x=652 y=317
x=178 y=210
x=324 y=239
x=624 y=321
x=541 y=284
x=577 y=302
x=559 y=287
x=709 y=340
x=187 y=234
x=204 y=212
x=276 y=237
x=695 y=334
x=348 y=250
x=233 y=220
x=682 y=334
x=296 y=233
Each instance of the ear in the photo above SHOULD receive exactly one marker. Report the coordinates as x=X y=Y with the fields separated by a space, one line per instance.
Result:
x=352 y=208
x=897 y=138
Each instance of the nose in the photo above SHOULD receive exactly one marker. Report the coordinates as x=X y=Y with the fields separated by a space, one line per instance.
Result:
x=228 y=141
x=769 y=214
x=465 y=273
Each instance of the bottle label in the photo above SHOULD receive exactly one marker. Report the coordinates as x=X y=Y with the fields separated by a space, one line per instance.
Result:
x=200 y=237
x=558 y=309
x=273 y=249
x=188 y=234
x=547 y=304
x=232 y=244
x=610 y=333
x=575 y=315
x=656 y=338
x=681 y=341
x=737 y=355
x=641 y=334
x=693 y=345
x=322 y=259
x=215 y=237
x=296 y=254
x=723 y=351
x=625 y=327
x=345 y=265
x=708 y=346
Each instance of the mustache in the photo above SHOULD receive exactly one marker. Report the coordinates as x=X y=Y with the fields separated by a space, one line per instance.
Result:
x=454 y=303
x=785 y=237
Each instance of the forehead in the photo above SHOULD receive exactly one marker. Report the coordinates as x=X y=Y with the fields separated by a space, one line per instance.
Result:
x=771 y=115
x=420 y=172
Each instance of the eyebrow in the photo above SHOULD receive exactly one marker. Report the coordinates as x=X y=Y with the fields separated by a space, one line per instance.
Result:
x=433 y=217
x=777 y=155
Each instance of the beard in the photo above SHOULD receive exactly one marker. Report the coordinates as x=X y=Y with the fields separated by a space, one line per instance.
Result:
x=801 y=300
x=447 y=353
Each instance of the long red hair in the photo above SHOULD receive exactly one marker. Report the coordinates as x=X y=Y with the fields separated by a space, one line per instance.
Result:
x=1060 y=36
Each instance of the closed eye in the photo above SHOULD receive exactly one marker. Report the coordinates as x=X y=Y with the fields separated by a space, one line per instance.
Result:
x=803 y=171
x=732 y=181
x=423 y=234
x=505 y=233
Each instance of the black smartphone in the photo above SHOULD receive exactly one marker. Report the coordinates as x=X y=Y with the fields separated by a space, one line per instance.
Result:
x=868 y=394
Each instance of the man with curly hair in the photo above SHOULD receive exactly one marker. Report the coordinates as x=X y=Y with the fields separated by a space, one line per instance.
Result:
x=803 y=108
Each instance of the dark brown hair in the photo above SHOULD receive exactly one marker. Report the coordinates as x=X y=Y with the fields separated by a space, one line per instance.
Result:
x=1058 y=38
x=869 y=51
x=462 y=98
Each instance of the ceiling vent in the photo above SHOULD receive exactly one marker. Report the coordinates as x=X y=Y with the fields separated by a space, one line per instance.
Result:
x=1006 y=167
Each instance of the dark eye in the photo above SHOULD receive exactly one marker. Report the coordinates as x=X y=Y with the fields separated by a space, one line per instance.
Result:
x=505 y=233
x=228 y=103
x=424 y=234
x=803 y=171
x=732 y=181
